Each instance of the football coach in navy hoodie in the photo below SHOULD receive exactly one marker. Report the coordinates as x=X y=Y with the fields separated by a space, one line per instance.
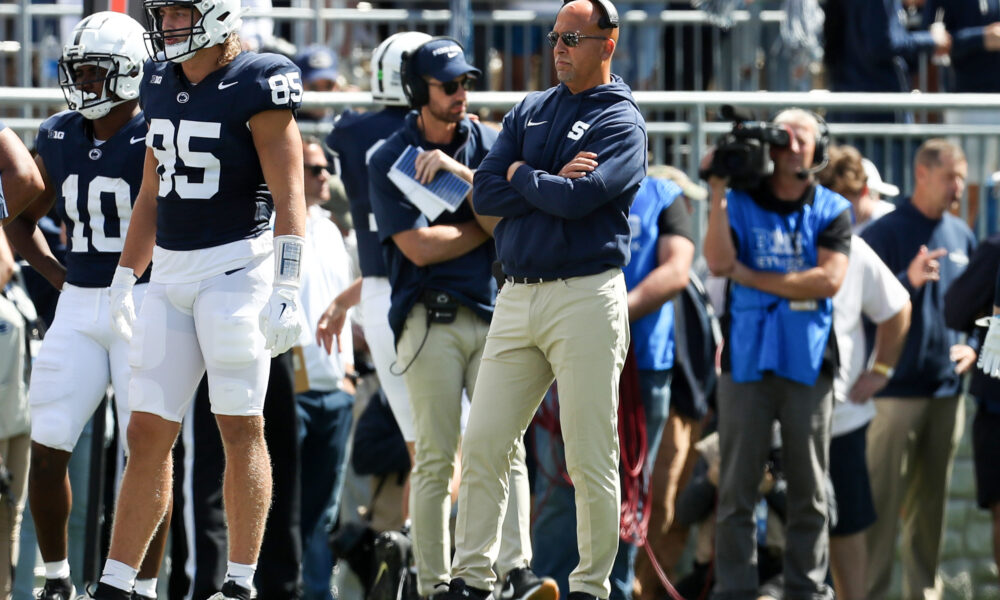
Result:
x=561 y=177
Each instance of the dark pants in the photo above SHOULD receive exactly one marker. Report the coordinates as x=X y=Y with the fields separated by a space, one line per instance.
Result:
x=323 y=432
x=747 y=412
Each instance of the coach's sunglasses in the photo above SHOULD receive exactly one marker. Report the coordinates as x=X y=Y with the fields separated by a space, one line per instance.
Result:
x=316 y=170
x=571 y=38
x=450 y=87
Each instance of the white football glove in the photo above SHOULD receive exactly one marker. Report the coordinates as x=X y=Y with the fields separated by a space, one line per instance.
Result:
x=989 y=354
x=122 y=304
x=280 y=319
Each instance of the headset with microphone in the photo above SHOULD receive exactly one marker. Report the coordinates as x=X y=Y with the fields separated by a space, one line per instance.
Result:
x=414 y=86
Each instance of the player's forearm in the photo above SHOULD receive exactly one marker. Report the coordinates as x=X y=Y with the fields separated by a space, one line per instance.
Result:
x=29 y=242
x=279 y=148
x=137 y=252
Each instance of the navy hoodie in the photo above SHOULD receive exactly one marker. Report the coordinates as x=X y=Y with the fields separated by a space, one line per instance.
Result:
x=553 y=226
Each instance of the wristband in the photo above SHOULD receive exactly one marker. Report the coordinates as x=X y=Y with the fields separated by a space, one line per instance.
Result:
x=883 y=369
x=288 y=260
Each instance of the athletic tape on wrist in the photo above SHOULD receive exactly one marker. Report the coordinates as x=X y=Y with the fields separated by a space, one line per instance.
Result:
x=288 y=260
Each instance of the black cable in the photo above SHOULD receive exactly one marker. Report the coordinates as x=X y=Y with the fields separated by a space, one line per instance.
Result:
x=417 y=353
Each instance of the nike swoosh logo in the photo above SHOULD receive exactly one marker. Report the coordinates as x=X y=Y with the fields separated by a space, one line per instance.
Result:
x=533 y=123
x=223 y=85
x=382 y=570
x=136 y=140
x=283 y=307
x=231 y=271
x=507 y=592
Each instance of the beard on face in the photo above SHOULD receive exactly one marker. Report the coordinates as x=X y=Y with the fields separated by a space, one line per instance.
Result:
x=446 y=114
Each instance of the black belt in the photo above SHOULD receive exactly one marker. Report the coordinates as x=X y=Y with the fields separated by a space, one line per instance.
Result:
x=531 y=280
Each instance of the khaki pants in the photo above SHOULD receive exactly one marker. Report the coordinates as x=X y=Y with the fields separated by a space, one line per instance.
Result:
x=16 y=453
x=574 y=330
x=447 y=363
x=911 y=447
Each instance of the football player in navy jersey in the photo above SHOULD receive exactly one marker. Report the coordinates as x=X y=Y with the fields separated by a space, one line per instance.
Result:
x=90 y=158
x=223 y=153
x=354 y=138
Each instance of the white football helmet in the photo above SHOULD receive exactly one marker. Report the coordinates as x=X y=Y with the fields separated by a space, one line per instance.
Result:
x=110 y=41
x=211 y=23
x=386 y=63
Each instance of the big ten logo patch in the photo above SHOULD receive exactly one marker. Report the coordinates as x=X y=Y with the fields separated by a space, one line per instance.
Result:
x=578 y=129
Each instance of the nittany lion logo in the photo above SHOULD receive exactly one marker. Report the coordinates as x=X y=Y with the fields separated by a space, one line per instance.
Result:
x=183 y=97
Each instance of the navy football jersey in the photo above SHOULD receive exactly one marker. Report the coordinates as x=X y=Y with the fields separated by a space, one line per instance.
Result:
x=212 y=188
x=354 y=138
x=95 y=188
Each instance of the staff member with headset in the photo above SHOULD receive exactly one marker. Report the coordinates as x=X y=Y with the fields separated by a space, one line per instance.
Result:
x=561 y=176
x=441 y=305
x=784 y=247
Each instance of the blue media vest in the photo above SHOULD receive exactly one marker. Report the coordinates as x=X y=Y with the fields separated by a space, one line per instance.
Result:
x=652 y=335
x=768 y=332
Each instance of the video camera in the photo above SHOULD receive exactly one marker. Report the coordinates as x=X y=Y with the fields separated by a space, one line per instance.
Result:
x=743 y=155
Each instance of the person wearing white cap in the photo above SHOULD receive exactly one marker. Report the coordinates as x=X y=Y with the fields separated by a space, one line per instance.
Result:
x=875 y=206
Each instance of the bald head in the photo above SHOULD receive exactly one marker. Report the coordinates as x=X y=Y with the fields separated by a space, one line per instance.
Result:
x=591 y=13
x=587 y=63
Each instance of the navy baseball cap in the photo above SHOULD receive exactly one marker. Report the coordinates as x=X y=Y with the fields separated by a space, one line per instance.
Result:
x=443 y=60
x=317 y=62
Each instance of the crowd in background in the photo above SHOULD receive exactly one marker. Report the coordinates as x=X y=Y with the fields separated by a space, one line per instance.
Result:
x=874 y=448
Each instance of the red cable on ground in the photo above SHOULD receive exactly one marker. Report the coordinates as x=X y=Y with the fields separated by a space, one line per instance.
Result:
x=636 y=491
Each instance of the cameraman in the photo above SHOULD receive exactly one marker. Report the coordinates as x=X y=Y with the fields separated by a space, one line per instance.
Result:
x=784 y=246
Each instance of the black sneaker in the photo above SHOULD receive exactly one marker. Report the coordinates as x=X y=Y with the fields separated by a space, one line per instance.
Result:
x=57 y=589
x=457 y=590
x=103 y=591
x=232 y=591
x=524 y=584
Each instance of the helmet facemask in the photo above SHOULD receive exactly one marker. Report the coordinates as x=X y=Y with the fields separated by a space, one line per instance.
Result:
x=211 y=23
x=91 y=104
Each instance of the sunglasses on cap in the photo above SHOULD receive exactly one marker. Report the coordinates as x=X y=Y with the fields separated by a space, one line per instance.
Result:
x=450 y=87
x=316 y=170
x=571 y=38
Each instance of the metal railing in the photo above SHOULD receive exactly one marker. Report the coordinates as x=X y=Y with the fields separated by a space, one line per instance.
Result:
x=681 y=125
x=659 y=49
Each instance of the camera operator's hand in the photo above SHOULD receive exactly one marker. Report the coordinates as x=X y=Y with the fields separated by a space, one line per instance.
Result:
x=716 y=185
x=583 y=163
